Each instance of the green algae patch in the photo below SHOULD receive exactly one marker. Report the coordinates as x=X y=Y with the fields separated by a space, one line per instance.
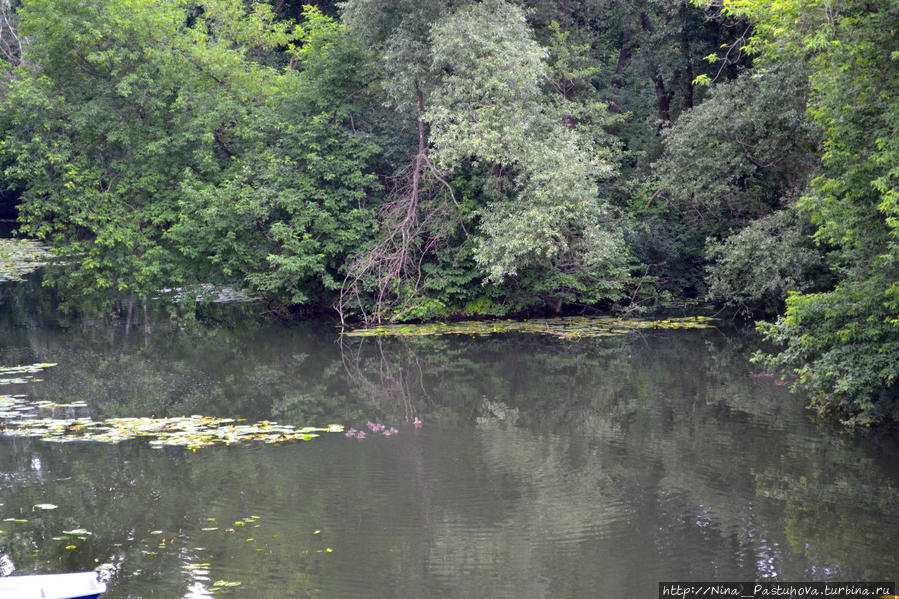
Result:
x=569 y=328
x=18 y=257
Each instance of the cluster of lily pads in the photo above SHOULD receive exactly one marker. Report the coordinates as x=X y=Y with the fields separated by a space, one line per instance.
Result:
x=192 y=432
x=18 y=257
x=572 y=327
x=18 y=418
x=17 y=375
x=19 y=406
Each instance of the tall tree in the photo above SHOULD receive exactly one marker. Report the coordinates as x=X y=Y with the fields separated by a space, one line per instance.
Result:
x=115 y=103
x=490 y=106
x=291 y=208
x=484 y=102
x=747 y=150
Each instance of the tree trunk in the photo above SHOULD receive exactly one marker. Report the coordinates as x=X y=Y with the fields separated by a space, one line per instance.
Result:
x=147 y=328
x=664 y=99
x=623 y=55
x=688 y=60
x=128 y=319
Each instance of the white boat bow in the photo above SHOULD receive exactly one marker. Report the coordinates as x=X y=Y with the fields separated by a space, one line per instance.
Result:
x=77 y=585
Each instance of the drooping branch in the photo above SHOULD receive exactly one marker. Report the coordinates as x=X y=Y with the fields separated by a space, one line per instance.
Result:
x=413 y=221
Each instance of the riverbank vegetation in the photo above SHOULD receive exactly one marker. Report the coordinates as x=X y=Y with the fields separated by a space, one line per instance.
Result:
x=422 y=160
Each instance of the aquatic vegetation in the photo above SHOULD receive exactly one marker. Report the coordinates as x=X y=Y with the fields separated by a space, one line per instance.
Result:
x=25 y=373
x=28 y=369
x=18 y=257
x=209 y=293
x=192 y=432
x=224 y=584
x=569 y=328
x=374 y=428
x=18 y=419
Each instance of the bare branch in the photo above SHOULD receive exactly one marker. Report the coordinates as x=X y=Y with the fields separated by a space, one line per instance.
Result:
x=12 y=43
x=413 y=222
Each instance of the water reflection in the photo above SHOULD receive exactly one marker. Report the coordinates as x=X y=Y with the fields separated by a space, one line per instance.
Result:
x=543 y=467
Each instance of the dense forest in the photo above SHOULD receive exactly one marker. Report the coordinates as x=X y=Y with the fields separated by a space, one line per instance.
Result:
x=423 y=159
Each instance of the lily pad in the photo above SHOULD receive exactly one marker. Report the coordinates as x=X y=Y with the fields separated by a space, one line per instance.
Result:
x=18 y=257
x=225 y=583
x=78 y=532
x=192 y=432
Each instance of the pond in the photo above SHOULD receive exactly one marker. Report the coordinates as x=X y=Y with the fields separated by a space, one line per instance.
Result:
x=515 y=464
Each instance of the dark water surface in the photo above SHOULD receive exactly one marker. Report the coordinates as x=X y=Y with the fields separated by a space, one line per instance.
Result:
x=543 y=468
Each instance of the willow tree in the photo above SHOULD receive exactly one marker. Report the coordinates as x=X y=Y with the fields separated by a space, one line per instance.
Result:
x=476 y=83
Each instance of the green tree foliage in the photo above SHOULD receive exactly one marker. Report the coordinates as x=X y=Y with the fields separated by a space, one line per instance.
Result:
x=490 y=106
x=843 y=343
x=497 y=123
x=746 y=151
x=121 y=100
x=12 y=41
x=755 y=269
x=144 y=134
x=290 y=209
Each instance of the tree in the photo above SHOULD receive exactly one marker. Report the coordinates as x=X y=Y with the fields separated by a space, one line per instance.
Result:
x=489 y=106
x=745 y=152
x=114 y=105
x=12 y=41
x=755 y=269
x=486 y=109
x=843 y=343
x=299 y=200
x=158 y=148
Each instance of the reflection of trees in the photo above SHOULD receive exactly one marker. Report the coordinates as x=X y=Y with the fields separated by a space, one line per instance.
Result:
x=391 y=382
x=123 y=494
x=815 y=482
x=235 y=367
x=454 y=380
x=692 y=442
x=575 y=448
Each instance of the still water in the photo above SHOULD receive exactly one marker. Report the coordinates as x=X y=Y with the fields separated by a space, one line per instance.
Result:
x=541 y=468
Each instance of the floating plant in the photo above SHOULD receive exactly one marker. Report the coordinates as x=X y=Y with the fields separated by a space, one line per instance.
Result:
x=18 y=257
x=573 y=327
x=192 y=432
x=17 y=406
x=375 y=428
x=25 y=373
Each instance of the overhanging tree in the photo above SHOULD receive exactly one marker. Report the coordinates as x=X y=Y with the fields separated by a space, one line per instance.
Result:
x=843 y=344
